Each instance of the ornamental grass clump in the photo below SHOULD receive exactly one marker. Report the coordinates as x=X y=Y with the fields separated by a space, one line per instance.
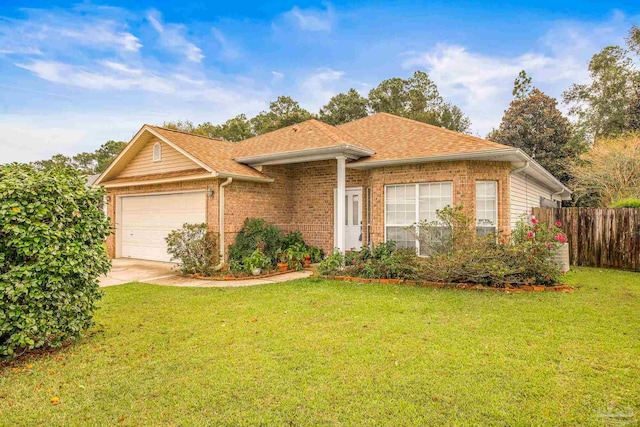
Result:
x=52 y=252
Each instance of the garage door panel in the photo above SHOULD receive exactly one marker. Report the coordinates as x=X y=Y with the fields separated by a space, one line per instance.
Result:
x=147 y=220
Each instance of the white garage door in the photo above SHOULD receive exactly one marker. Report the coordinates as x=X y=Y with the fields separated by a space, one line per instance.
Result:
x=147 y=220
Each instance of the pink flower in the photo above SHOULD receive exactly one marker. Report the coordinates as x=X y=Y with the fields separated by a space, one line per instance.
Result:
x=558 y=223
x=561 y=238
x=549 y=228
x=534 y=221
x=530 y=235
x=548 y=245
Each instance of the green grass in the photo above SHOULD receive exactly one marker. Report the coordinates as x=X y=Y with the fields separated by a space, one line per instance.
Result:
x=315 y=352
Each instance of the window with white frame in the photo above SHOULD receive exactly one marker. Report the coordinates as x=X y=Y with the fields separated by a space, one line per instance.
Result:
x=407 y=204
x=157 y=152
x=486 y=207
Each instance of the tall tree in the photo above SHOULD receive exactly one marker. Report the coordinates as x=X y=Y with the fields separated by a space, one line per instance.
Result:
x=452 y=117
x=205 y=129
x=89 y=163
x=343 y=108
x=104 y=155
x=235 y=129
x=522 y=86
x=604 y=106
x=417 y=98
x=535 y=125
x=609 y=172
x=284 y=111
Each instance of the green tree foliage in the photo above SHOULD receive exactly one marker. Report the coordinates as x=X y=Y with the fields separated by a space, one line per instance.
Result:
x=608 y=104
x=87 y=163
x=282 y=112
x=534 y=124
x=417 y=98
x=522 y=86
x=609 y=172
x=235 y=129
x=52 y=231
x=343 y=108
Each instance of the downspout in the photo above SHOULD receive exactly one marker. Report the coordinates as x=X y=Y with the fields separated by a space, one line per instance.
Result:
x=557 y=193
x=221 y=221
x=520 y=169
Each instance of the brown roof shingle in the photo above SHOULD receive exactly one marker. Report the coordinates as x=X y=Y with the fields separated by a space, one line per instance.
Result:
x=393 y=137
x=307 y=135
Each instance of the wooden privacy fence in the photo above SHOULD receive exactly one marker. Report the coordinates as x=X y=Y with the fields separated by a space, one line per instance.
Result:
x=598 y=237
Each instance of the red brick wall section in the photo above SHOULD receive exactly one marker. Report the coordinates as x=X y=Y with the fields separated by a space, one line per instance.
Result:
x=463 y=175
x=301 y=196
x=271 y=201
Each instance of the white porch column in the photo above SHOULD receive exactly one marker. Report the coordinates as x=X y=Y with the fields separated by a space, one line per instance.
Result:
x=340 y=203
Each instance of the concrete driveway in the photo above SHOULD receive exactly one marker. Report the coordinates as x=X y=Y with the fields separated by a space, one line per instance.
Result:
x=126 y=270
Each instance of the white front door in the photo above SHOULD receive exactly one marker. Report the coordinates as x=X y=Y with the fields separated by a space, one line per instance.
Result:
x=353 y=219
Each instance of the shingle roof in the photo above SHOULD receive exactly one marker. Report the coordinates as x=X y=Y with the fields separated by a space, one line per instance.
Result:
x=387 y=136
x=393 y=137
x=307 y=135
x=215 y=153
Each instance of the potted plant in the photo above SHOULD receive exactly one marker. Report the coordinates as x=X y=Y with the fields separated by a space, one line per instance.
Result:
x=306 y=262
x=256 y=262
x=296 y=254
x=283 y=261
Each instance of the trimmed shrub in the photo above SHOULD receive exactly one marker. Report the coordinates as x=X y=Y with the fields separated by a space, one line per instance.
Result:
x=626 y=203
x=458 y=255
x=256 y=232
x=52 y=232
x=195 y=248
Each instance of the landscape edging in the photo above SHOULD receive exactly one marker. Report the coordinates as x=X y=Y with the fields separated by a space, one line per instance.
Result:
x=448 y=285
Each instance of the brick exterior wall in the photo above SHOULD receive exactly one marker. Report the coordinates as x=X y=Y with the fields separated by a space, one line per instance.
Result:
x=462 y=174
x=301 y=196
x=113 y=200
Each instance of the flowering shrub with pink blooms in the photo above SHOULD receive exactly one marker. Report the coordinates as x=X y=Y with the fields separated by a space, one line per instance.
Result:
x=524 y=259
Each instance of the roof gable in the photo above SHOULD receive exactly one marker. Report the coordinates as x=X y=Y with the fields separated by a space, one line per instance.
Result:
x=211 y=155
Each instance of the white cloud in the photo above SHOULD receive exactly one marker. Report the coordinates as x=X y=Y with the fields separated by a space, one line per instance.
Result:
x=276 y=76
x=227 y=50
x=480 y=83
x=312 y=19
x=23 y=140
x=172 y=37
x=46 y=31
x=317 y=88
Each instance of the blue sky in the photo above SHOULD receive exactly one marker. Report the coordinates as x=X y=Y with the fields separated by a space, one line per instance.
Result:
x=73 y=75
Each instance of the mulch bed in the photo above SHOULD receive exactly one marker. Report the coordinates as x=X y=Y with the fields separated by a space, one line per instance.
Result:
x=465 y=286
x=224 y=278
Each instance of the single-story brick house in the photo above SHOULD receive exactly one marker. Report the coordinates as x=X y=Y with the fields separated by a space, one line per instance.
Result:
x=341 y=186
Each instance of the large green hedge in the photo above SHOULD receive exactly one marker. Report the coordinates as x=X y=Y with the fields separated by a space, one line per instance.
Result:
x=52 y=231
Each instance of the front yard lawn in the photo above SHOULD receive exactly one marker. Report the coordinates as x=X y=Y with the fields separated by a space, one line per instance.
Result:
x=316 y=352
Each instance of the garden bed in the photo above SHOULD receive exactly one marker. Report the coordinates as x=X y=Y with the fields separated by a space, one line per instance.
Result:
x=239 y=276
x=465 y=286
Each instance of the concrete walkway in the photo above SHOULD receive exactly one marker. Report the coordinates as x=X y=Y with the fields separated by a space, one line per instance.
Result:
x=126 y=270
